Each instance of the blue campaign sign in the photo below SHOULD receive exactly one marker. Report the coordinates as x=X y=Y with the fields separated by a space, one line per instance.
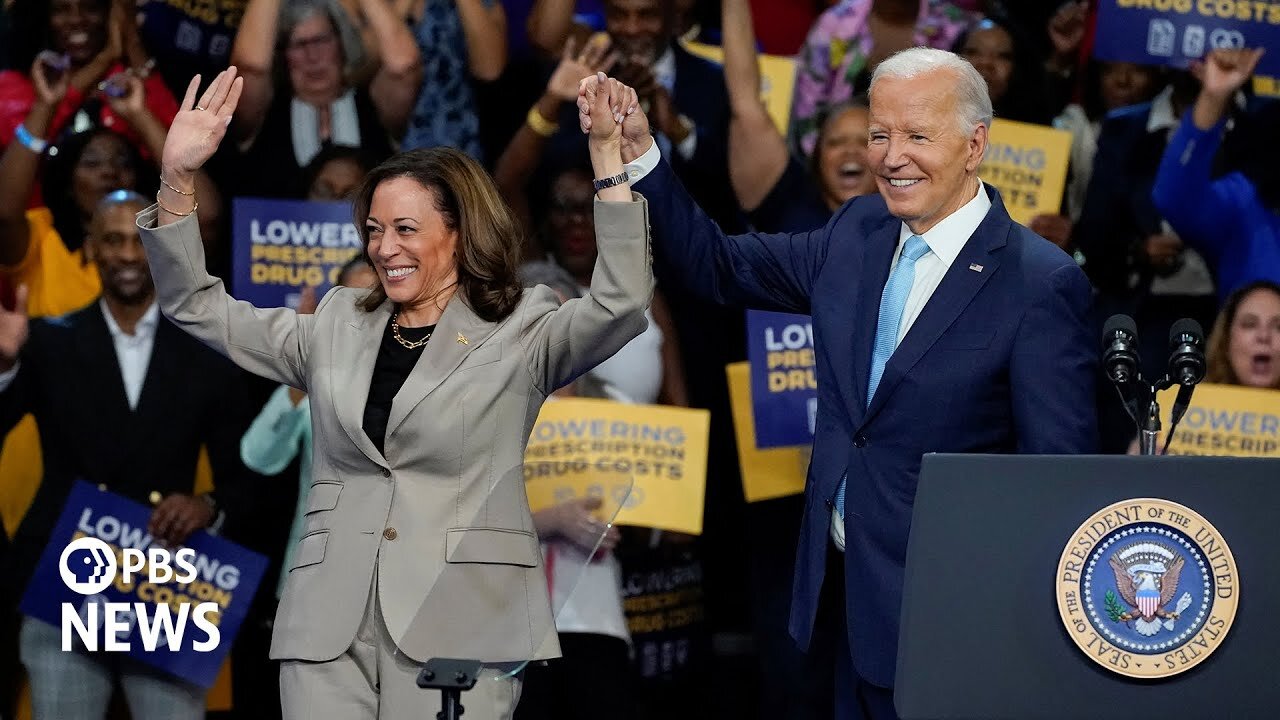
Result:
x=224 y=574
x=1175 y=32
x=784 y=388
x=281 y=246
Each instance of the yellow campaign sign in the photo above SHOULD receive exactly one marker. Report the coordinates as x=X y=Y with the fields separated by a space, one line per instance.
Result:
x=777 y=80
x=584 y=447
x=1225 y=420
x=766 y=474
x=1028 y=165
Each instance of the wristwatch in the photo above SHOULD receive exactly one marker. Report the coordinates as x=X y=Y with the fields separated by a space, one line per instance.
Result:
x=609 y=181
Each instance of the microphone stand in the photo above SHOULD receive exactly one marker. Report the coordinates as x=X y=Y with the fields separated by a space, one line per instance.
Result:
x=451 y=677
x=1149 y=431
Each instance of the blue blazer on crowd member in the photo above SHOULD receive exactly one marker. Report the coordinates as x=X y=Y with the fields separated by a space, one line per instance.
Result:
x=1000 y=360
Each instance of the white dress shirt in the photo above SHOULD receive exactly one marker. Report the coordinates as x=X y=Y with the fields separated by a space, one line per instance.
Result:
x=133 y=352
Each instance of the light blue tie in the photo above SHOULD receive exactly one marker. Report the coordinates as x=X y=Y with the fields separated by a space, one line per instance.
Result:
x=892 y=302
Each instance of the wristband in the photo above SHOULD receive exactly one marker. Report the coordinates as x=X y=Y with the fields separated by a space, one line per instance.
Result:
x=609 y=181
x=29 y=141
x=541 y=125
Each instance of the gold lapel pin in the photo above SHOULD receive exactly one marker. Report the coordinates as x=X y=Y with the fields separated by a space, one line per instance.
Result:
x=462 y=339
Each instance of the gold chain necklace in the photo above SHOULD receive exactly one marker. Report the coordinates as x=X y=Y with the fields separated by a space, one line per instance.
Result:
x=395 y=333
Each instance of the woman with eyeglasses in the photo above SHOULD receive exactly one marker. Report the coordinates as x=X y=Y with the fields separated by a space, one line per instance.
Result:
x=303 y=89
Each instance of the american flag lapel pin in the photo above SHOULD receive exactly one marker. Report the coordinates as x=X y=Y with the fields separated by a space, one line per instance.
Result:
x=975 y=267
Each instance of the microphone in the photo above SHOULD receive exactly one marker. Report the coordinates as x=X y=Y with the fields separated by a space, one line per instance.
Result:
x=1120 y=349
x=1187 y=367
x=1186 y=352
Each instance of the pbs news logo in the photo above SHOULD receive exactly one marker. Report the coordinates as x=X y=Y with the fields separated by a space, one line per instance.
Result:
x=89 y=566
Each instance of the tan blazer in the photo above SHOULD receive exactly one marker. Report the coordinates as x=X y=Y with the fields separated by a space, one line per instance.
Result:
x=444 y=514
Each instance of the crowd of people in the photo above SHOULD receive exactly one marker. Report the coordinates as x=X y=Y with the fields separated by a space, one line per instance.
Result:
x=1170 y=210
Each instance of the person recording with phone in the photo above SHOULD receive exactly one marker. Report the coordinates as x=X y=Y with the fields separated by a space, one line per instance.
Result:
x=92 y=49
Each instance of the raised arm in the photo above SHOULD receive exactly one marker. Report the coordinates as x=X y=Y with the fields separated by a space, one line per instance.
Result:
x=768 y=272
x=522 y=155
x=132 y=106
x=20 y=162
x=584 y=332
x=273 y=342
x=757 y=150
x=254 y=55
x=549 y=25
x=395 y=86
x=484 y=24
x=1203 y=211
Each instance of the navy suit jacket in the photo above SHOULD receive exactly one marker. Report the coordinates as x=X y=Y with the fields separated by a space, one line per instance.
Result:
x=1001 y=360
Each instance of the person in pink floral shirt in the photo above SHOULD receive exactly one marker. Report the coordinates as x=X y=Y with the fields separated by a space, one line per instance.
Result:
x=852 y=37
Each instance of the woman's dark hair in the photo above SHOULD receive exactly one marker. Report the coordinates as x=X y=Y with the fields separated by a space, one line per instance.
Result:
x=29 y=31
x=1218 y=349
x=359 y=262
x=69 y=218
x=1026 y=99
x=333 y=153
x=489 y=241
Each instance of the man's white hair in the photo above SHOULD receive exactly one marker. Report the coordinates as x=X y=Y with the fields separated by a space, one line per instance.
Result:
x=973 y=100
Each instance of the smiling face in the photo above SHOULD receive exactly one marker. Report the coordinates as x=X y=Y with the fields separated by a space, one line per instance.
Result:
x=115 y=246
x=411 y=242
x=843 y=167
x=78 y=28
x=638 y=28
x=924 y=159
x=1254 y=345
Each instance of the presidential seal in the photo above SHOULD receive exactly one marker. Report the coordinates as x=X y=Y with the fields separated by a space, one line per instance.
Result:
x=1147 y=588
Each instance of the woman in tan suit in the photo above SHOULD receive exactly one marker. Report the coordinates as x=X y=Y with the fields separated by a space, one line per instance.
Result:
x=418 y=541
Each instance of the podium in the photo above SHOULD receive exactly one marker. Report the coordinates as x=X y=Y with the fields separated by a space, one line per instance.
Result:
x=989 y=624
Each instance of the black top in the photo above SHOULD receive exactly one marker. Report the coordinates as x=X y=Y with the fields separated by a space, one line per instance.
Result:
x=794 y=204
x=390 y=370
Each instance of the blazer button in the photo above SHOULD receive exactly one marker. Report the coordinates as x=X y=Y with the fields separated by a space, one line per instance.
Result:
x=386 y=472
x=389 y=533
x=860 y=441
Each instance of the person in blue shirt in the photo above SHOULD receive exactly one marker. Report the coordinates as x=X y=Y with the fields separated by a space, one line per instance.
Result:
x=1227 y=219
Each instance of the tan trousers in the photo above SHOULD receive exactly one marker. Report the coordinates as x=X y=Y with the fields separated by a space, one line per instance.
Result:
x=372 y=681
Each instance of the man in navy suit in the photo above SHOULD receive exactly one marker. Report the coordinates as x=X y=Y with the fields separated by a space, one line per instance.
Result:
x=940 y=325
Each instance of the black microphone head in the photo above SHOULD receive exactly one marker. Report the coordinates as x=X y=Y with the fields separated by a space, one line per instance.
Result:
x=1120 y=353
x=1119 y=322
x=1187 y=327
x=1187 y=364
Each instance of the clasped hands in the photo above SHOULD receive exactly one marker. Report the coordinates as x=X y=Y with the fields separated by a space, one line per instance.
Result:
x=609 y=113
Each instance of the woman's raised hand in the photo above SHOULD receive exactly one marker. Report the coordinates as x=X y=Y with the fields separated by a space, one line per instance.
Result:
x=199 y=126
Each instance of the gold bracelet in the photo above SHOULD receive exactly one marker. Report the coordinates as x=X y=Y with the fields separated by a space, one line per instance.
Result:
x=541 y=125
x=194 y=207
x=166 y=184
